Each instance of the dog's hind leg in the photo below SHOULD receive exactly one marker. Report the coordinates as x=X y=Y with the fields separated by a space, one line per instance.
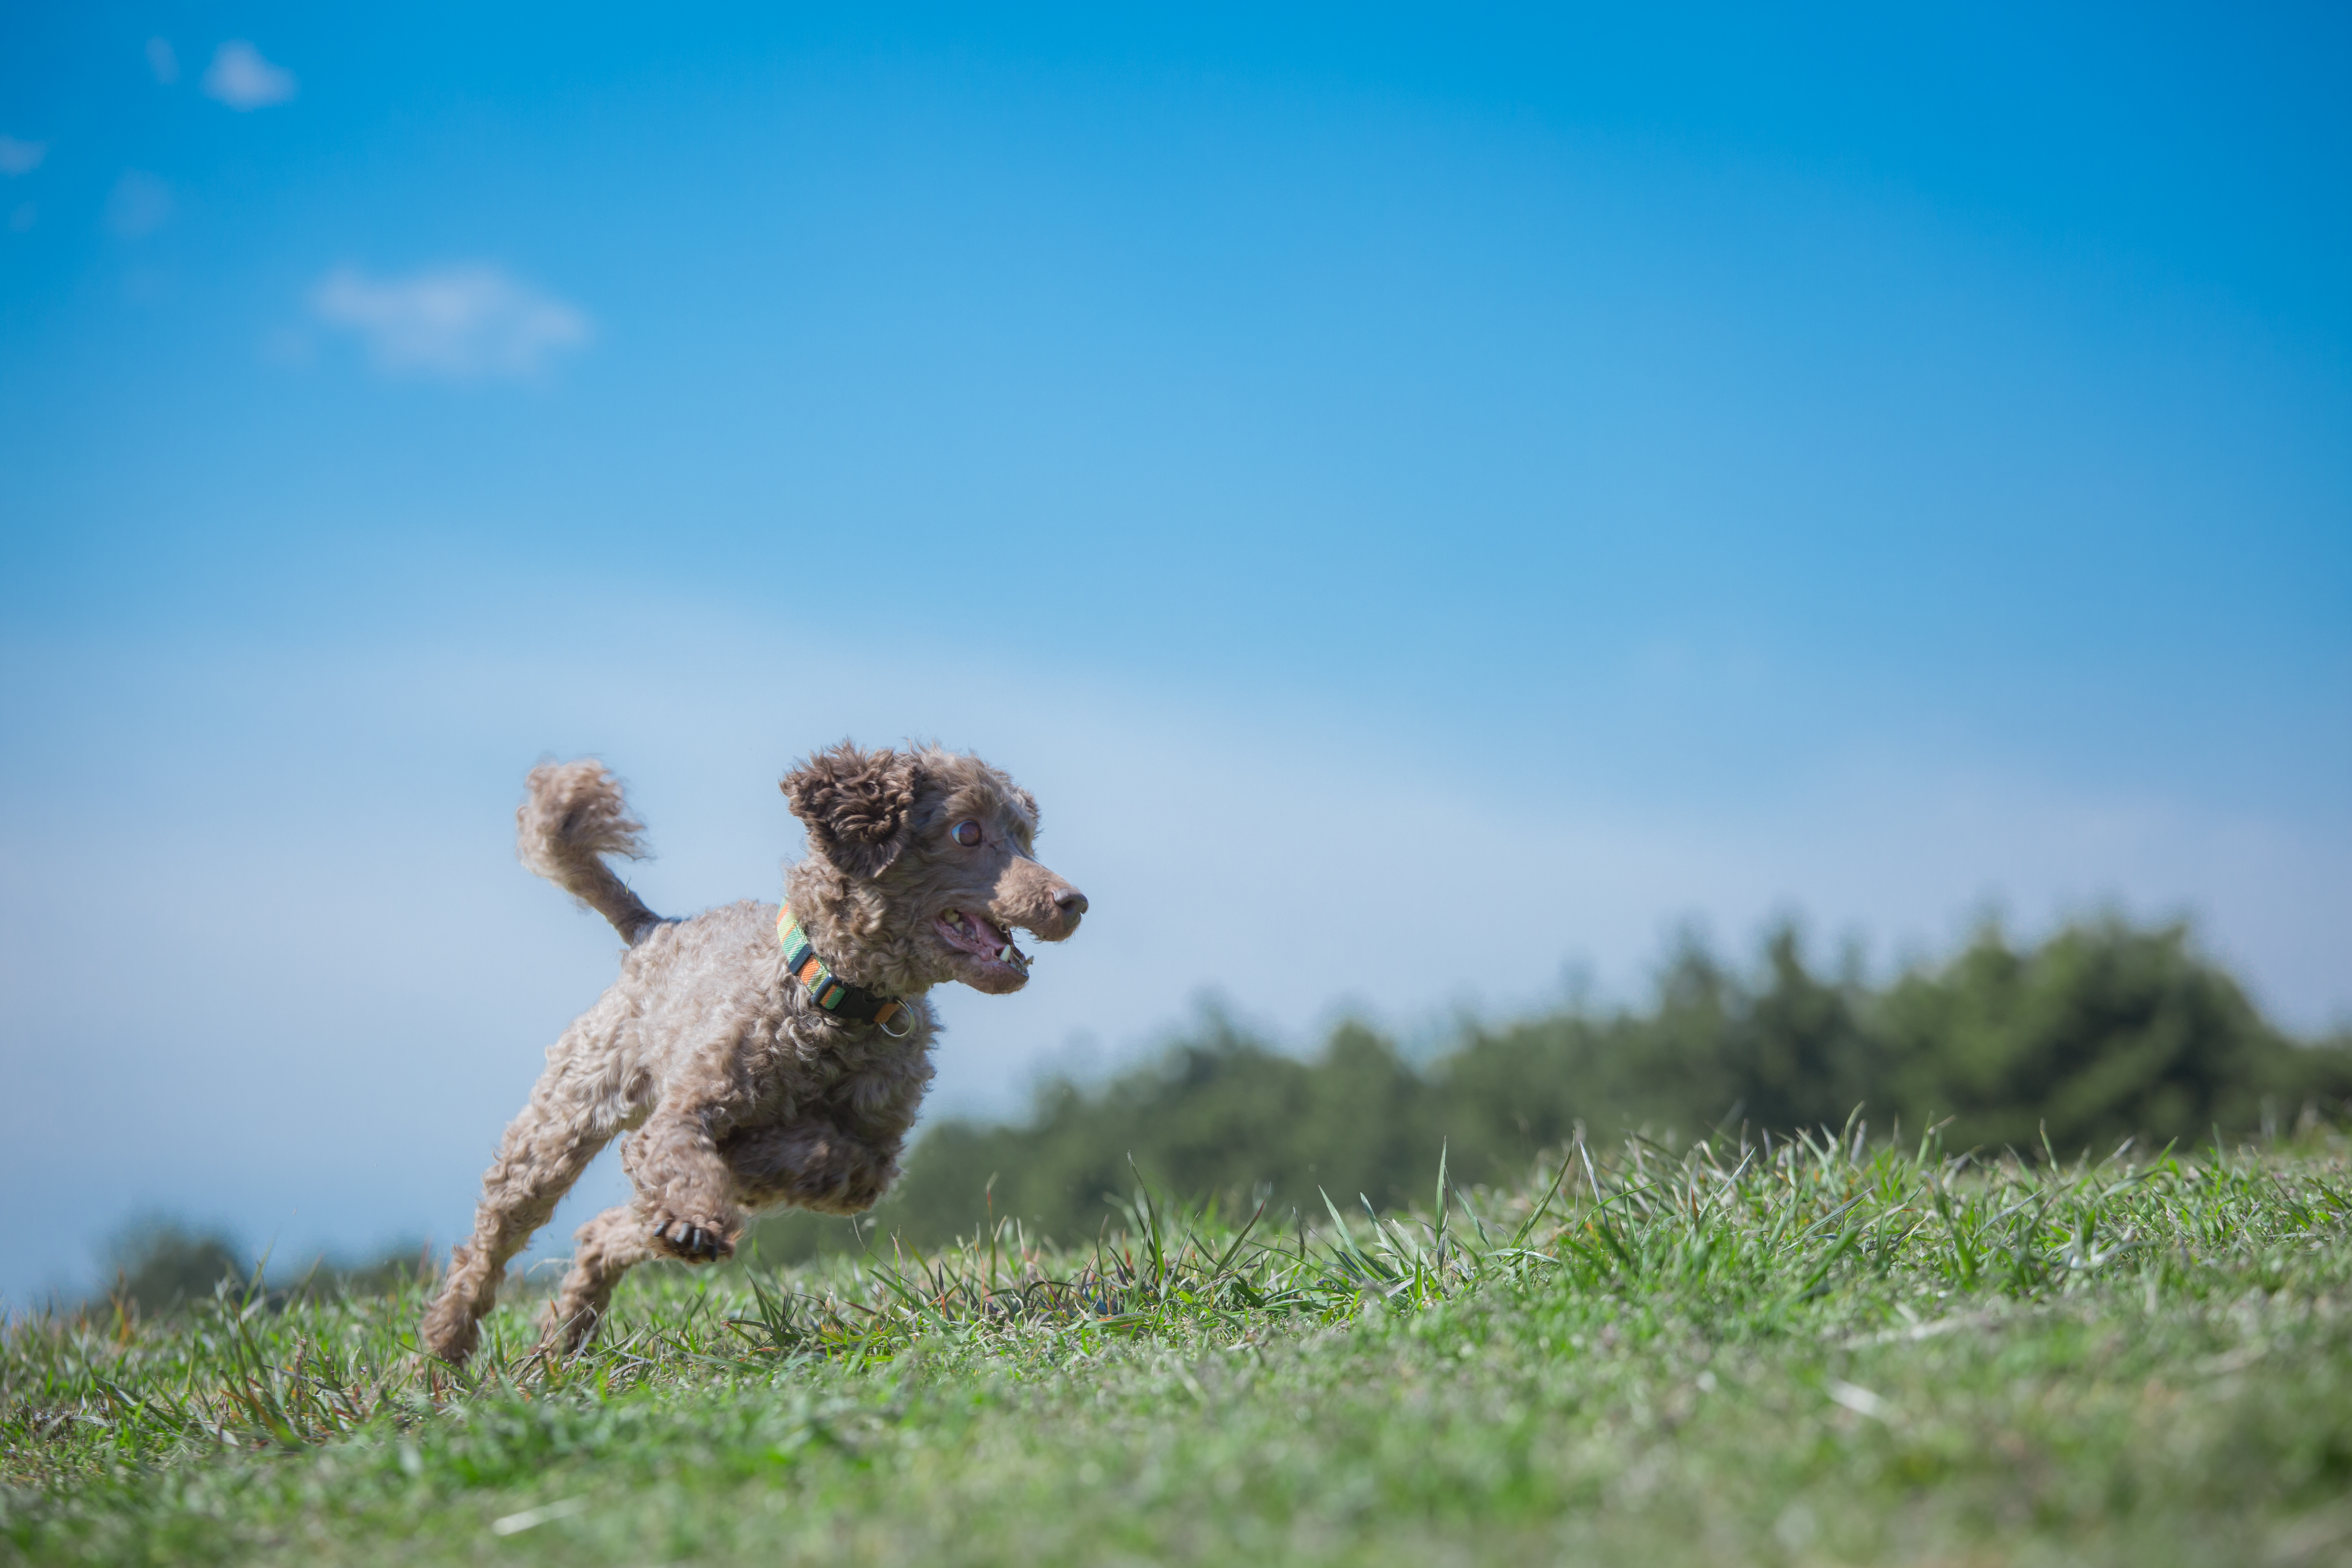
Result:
x=538 y=1160
x=606 y=1247
x=573 y=1113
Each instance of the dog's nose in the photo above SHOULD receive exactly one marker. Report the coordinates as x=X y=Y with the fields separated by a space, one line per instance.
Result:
x=1070 y=901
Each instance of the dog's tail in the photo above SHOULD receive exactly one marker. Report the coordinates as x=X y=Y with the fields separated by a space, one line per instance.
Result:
x=571 y=818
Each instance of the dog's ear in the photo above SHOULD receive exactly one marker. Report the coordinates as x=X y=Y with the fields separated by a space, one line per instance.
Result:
x=856 y=805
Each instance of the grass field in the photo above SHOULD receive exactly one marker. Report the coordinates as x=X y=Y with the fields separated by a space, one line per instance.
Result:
x=1821 y=1353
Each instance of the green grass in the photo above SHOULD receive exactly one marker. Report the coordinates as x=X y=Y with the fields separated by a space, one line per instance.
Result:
x=1824 y=1353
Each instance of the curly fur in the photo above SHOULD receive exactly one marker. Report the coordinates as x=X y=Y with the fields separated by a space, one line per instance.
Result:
x=573 y=815
x=728 y=1092
x=858 y=802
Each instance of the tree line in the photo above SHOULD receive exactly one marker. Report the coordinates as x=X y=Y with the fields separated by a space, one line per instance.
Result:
x=2104 y=1031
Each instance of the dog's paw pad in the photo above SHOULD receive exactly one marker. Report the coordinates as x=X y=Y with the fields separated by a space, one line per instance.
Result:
x=694 y=1243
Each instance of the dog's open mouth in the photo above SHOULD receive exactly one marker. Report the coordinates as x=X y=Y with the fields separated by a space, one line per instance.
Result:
x=976 y=934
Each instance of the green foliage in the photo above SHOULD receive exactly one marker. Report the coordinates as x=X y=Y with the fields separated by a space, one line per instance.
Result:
x=160 y=1264
x=2102 y=1033
x=156 y=1263
x=1830 y=1352
x=1216 y=1114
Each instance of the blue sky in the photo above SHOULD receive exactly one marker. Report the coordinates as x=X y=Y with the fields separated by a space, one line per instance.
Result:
x=1511 y=484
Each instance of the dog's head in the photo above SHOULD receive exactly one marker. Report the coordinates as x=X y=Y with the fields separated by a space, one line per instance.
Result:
x=921 y=865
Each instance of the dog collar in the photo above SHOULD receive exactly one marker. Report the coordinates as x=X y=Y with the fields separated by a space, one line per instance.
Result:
x=829 y=991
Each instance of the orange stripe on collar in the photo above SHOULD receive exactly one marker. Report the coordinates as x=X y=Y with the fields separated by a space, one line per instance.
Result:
x=828 y=992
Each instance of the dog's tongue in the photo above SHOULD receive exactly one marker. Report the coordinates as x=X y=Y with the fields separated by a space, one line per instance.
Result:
x=981 y=935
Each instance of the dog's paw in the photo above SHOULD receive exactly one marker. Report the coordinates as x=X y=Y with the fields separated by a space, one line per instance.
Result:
x=692 y=1242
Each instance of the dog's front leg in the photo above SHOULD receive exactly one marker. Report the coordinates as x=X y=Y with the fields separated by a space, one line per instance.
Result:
x=813 y=1164
x=685 y=1188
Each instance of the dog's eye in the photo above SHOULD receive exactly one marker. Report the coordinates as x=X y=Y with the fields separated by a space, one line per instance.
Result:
x=966 y=834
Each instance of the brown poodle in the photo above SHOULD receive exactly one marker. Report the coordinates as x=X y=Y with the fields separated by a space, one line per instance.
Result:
x=755 y=1057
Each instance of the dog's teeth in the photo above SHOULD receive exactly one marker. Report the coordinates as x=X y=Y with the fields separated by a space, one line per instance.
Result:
x=1005 y=952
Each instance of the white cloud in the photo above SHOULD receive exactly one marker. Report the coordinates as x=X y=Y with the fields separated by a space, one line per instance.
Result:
x=17 y=157
x=140 y=203
x=241 y=79
x=164 y=60
x=463 y=323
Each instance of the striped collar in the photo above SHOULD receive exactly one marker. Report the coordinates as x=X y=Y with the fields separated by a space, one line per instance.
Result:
x=828 y=990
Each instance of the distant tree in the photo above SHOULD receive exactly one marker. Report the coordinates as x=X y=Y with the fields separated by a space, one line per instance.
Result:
x=1796 y=1050
x=160 y=1263
x=2103 y=1033
x=1215 y=1113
